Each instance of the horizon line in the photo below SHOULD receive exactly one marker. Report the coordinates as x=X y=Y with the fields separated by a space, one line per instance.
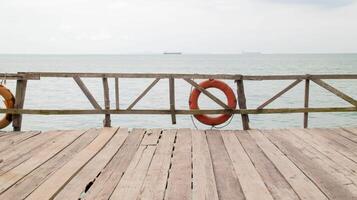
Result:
x=182 y=53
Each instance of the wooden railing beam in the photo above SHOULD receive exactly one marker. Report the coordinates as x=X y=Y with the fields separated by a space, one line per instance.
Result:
x=86 y=92
x=335 y=91
x=279 y=94
x=191 y=76
x=178 y=112
x=143 y=94
x=207 y=93
x=19 y=76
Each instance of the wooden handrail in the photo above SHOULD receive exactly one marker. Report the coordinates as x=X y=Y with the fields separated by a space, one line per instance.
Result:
x=22 y=78
x=185 y=76
x=178 y=112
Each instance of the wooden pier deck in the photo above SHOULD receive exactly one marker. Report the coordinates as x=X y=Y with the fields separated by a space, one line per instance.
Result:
x=114 y=163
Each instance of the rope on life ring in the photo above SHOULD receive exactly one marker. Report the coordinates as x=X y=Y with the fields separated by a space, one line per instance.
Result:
x=220 y=85
x=9 y=101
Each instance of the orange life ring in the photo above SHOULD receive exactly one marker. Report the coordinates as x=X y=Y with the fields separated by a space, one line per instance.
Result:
x=9 y=101
x=212 y=83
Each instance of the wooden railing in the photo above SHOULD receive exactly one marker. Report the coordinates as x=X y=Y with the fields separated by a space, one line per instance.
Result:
x=23 y=77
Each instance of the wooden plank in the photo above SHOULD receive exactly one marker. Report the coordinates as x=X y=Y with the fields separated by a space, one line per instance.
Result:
x=140 y=75
x=334 y=149
x=252 y=184
x=335 y=91
x=242 y=103
x=302 y=185
x=151 y=137
x=109 y=178
x=204 y=183
x=323 y=145
x=130 y=185
x=293 y=84
x=155 y=182
x=19 y=103
x=350 y=133
x=172 y=99
x=274 y=181
x=143 y=94
x=306 y=102
x=13 y=76
x=178 y=112
x=30 y=182
x=228 y=186
x=179 y=181
x=208 y=94
x=15 y=139
x=14 y=175
x=58 y=180
x=15 y=155
x=85 y=90
x=5 y=133
x=351 y=130
x=88 y=174
x=191 y=76
x=319 y=168
x=106 y=122
x=342 y=144
x=117 y=93
x=292 y=77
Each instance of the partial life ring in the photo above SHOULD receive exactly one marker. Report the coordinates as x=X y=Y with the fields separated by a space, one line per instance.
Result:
x=9 y=101
x=231 y=99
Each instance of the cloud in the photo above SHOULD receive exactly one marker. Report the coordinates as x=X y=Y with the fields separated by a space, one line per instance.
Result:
x=199 y=26
x=322 y=3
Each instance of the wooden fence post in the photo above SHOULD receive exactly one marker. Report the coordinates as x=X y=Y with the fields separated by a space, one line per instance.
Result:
x=19 y=103
x=242 y=103
x=106 y=121
x=117 y=93
x=306 y=102
x=172 y=99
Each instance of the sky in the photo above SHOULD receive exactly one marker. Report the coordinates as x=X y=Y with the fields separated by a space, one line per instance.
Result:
x=188 y=26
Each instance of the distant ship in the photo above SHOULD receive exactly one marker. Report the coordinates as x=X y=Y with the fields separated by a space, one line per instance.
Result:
x=251 y=53
x=173 y=53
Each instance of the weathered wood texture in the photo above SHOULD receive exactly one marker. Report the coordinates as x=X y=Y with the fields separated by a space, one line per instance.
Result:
x=242 y=103
x=293 y=84
x=85 y=90
x=143 y=94
x=106 y=121
x=178 y=112
x=19 y=103
x=306 y=102
x=188 y=76
x=172 y=99
x=113 y=163
x=207 y=93
x=117 y=93
x=335 y=91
